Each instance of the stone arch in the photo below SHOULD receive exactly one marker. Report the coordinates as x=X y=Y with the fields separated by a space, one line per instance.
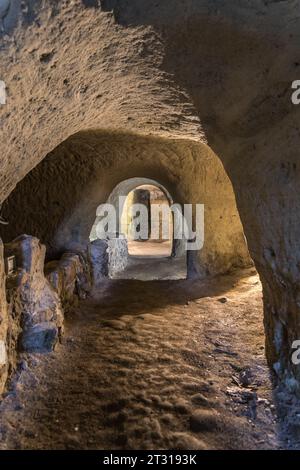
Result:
x=195 y=72
x=57 y=200
x=123 y=189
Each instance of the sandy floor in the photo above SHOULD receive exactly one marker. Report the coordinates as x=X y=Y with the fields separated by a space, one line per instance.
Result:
x=151 y=365
x=151 y=268
x=149 y=248
x=150 y=261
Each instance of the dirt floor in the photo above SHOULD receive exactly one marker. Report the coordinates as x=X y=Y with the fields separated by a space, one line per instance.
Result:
x=153 y=268
x=149 y=248
x=149 y=261
x=152 y=365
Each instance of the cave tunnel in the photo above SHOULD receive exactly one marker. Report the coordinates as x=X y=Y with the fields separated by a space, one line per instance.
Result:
x=58 y=200
x=115 y=331
x=62 y=200
x=150 y=251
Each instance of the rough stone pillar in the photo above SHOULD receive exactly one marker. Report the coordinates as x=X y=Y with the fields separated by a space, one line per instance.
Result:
x=98 y=258
x=42 y=316
x=267 y=188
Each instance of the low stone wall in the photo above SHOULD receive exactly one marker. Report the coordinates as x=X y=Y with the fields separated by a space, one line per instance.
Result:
x=70 y=278
x=35 y=308
x=98 y=259
x=33 y=298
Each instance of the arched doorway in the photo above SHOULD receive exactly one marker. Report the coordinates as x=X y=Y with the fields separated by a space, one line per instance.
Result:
x=157 y=241
x=151 y=250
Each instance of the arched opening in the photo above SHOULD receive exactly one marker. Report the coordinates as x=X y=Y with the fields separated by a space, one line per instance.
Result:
x=58 y=200
x=145 y=224
x=92 y=169
x=179 y=89
x=158 y=242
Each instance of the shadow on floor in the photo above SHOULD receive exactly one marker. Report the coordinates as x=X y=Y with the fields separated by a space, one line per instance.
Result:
x=122 y=296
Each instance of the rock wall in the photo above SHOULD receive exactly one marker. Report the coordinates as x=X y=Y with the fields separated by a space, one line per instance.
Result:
x=98 y=259
x=40 y=314
x=70 y=278
x=218 y=72
x=117 y=255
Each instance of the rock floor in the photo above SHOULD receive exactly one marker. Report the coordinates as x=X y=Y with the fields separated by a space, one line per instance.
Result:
x=154 y=268
x=151 y=365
